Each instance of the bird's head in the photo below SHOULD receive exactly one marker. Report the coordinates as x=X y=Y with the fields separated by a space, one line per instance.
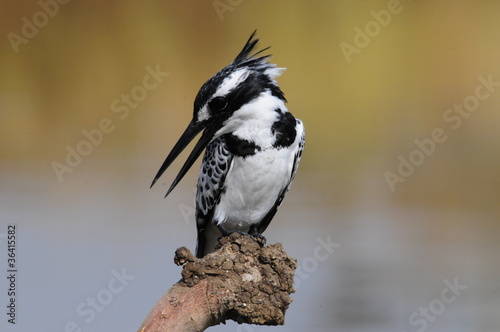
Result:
x=236 y=85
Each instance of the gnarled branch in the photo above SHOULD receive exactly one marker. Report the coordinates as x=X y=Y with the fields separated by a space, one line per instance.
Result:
x=242 y=281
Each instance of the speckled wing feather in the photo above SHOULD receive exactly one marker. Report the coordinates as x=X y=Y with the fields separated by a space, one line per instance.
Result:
x=215 y=166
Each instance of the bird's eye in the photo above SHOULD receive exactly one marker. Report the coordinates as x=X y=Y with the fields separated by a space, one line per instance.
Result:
x=218 y=104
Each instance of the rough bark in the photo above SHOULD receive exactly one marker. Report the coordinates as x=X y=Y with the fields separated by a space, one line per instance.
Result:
x=243 y=281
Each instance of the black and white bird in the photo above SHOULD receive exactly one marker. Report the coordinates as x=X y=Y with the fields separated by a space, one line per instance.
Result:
x=253 y=148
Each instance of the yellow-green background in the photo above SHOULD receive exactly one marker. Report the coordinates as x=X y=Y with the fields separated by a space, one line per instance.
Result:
x=396 y=248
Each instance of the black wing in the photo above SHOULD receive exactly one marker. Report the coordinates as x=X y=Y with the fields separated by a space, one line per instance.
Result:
x=261 y=227
x=215 y=166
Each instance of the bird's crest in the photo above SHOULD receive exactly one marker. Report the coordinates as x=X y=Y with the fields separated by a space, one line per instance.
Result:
x=246 y=59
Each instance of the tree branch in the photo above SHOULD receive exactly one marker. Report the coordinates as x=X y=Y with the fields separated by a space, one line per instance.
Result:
x=242 y=281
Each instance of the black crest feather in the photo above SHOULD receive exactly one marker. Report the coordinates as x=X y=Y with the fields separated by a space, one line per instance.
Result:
x=244 y=58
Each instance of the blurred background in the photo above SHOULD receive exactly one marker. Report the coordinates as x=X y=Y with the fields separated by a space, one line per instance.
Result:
x=94 y=94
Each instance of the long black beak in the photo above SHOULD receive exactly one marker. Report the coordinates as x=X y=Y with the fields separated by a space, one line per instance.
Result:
x=191 y=131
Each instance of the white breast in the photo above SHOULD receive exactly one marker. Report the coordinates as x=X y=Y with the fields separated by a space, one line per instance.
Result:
x=252 y=186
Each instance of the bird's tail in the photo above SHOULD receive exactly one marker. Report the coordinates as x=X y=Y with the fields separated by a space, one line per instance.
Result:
x=207 y=240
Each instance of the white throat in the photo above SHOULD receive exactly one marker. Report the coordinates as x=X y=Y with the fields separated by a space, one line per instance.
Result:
x=253 y=121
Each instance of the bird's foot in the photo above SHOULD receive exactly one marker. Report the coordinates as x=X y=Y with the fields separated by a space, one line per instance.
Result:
x=254 y=235
x=259 y=238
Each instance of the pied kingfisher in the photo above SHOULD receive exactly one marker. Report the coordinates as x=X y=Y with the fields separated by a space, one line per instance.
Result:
x=253 y=148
